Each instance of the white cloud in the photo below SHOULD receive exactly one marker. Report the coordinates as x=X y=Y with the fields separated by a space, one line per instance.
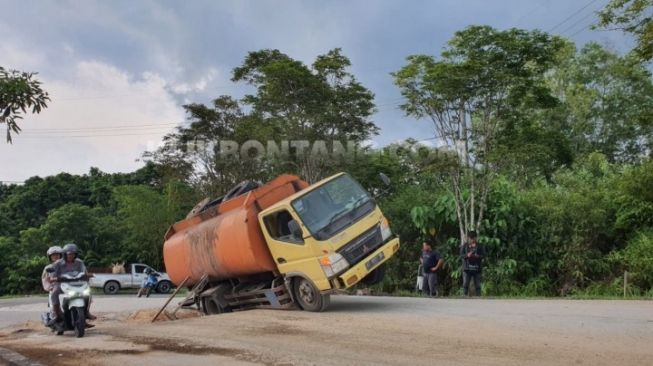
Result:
x=198 y=85
x=102 y=117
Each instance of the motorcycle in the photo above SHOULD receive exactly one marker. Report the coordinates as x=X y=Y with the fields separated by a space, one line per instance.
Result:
x=74 y=300
x=149 y=284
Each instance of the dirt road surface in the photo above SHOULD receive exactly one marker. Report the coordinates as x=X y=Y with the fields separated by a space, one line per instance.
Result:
x=361 y=331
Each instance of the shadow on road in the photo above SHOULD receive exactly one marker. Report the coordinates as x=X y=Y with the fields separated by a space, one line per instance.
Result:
x=351 y=304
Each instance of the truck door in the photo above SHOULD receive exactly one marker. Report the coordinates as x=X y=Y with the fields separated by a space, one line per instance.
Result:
x=291 y=254
x=138 y=275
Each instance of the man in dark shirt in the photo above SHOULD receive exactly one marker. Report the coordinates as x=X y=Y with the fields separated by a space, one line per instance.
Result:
x=472 y=254
x=431 y=263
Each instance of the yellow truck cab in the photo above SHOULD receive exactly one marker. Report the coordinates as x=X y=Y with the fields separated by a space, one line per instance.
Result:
x=326 y=237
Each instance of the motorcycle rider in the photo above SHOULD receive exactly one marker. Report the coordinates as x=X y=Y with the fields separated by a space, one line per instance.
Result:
x=69 y=263
x=54 y=254
x=151 y=279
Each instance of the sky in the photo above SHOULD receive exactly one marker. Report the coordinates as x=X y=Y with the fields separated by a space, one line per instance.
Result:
x=118 y=72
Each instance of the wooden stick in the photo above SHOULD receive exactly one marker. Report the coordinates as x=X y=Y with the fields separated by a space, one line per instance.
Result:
x=170 y=299
x=625 y=282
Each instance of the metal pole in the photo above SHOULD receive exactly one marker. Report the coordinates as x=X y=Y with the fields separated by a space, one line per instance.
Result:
x=170 y=299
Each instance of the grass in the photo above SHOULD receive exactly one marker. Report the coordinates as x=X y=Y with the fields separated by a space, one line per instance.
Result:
x=405 y=293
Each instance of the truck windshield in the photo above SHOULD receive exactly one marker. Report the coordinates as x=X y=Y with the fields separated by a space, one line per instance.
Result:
x=332 y=207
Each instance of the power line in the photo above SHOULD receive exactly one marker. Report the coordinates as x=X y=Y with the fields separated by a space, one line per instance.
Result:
x=571 y=16
x=582 y=29
x=108 y=126
x=88 y=136
x=577 y=22
x=144 y=94
x=105 y=130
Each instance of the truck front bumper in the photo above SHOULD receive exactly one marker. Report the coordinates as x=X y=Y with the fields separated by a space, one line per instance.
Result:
x=367 y=265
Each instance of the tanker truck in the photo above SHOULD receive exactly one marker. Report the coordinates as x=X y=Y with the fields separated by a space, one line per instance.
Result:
x=280 y=244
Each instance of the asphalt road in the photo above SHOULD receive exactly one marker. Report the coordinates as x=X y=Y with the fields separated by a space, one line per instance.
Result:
x=15 y=311
x=358 y=331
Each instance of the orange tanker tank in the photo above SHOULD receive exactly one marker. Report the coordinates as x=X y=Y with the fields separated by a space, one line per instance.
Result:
x=224 y=240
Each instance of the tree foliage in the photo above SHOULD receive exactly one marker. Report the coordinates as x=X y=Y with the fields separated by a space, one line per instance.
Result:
x=292 y=102
x=478 y=87
x=634 y=17
x=552 y=144
x=20 y=92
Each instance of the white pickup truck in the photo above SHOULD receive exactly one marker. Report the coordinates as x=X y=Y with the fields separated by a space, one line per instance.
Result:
x=133 y=277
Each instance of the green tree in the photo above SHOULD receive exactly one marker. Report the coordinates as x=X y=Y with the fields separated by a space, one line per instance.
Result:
x=96 y=233
x=606 y=104
x=194 y=153
x=296 y=102
x=482 y=81
x=634 y=17
x=638 y=261
x=19 y=92
x=146 y=215
x=292 y=101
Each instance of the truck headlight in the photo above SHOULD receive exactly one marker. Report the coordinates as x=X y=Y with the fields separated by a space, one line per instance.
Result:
x=333 y=264
x=87 y=292
x=386 y=233
x=72 y=293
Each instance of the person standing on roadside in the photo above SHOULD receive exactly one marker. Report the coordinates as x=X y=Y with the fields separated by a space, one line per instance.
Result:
x=431 y=263
x=472 y=255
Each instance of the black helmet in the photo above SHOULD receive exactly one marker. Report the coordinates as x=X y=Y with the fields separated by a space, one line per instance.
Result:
x=71 y=248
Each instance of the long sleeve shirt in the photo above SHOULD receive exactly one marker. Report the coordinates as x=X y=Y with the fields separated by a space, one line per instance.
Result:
x=472 y=263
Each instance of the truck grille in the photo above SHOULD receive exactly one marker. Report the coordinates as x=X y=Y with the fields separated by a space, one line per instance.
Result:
x=362 y=245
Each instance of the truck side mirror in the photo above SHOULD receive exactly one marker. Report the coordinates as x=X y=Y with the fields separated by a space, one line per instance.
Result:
x=295 y=229
x=385 y=179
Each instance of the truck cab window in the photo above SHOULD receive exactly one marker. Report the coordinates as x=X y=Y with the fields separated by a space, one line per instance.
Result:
x=139 y=269
x=277 y=226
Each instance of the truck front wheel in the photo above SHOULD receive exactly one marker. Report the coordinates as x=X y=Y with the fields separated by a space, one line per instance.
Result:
x=308 y=297
x=375 y=276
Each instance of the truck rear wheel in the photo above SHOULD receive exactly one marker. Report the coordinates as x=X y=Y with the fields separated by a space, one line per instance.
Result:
x=111 y=287
x=215 y=303
x=163 y=287
x=308 y=297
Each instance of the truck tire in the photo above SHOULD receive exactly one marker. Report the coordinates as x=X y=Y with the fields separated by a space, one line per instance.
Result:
x=375 y=276
x=111 y=287
x=215 y=303
x=308 y=297
x=163 y=287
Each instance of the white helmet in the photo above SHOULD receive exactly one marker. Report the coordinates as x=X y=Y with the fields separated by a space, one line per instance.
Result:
x=54 y=250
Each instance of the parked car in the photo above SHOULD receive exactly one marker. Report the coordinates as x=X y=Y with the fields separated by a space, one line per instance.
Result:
x=133 y=277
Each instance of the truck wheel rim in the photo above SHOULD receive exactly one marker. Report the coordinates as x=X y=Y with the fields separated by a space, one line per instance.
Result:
x=306 y=292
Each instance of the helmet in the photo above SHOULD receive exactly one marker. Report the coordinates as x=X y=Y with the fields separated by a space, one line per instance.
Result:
x=71 y=248
x=54 y=250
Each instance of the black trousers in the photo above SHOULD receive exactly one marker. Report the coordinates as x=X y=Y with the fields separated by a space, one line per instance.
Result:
x=469 y=276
